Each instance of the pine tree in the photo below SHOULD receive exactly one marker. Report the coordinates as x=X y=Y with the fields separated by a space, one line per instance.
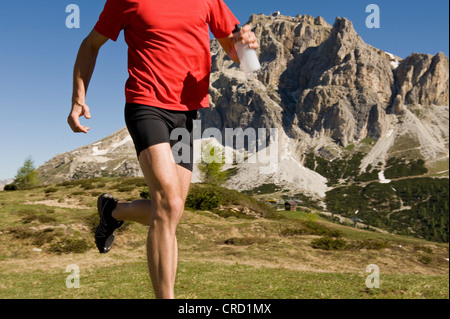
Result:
x=211 y=167
x=26 y=176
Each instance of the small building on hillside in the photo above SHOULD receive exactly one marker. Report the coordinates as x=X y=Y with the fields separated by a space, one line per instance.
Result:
x=290 y=205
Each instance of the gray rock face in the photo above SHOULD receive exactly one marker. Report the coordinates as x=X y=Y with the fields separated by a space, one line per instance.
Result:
x=321 y=80
x=422 y=79
x=112 y=156
x=345 y=84
x=261 y=101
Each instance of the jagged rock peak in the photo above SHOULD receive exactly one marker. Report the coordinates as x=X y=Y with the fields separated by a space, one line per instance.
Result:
x=303 y=19
x=343 y=31
x=422 y=79
x=343 y=24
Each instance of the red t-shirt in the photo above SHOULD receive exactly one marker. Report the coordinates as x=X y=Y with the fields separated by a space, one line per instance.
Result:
x=169 y=60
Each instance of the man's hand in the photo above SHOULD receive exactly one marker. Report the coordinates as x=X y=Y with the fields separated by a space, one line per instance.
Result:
x=78 y=110
x=246 y=36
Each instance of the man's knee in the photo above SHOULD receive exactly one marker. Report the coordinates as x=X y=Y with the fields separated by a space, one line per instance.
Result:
x=169 y=209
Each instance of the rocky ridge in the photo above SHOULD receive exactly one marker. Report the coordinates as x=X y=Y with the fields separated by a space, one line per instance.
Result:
x=111 y=156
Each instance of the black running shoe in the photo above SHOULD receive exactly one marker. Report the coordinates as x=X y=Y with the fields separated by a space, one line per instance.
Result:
x=104 y=235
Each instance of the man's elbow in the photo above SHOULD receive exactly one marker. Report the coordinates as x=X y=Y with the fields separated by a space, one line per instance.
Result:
x=230 y=50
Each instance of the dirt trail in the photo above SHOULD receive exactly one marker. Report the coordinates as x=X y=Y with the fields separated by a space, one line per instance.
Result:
x=68 y=203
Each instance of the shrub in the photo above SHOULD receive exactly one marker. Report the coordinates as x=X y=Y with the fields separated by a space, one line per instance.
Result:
x=41 y=218
x=10 y=187
x=124 y=189
x=21 y=232
x=335 y=170
x=225 y=213
x=244 y=241
x=79 y=193
x=206 y=199
x=374 y=244
x=427 y=198
x=69 y=245
x=44 y=236
x=317 y=229
x=145 y=193
x=368 y=176
x=130 y=181
x=96 y=193
x=264 y=189
x=209 y=197
x=293 y=231
x=50 y=190
x=88 y=186
x=311 y=228
x=425 y=249
x=399 y=167
x=328 y=243
x=42 y=215
x=67 y=184
x=37 y=237
x=424 y=259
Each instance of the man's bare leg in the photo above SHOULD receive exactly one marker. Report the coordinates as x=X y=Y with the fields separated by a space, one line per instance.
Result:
x=185 y=176
x=168 y=195
x=145 y=212
x=139 y=211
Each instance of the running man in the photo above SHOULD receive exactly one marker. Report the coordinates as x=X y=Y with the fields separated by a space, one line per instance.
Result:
x=169 y=65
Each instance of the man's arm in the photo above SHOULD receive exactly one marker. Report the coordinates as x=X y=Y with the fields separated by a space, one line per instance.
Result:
x=82 y=73
x=246 y=36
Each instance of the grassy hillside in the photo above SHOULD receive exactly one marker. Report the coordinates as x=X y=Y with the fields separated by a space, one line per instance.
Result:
x=413 y=206
x=413 y=202
x=230 y=246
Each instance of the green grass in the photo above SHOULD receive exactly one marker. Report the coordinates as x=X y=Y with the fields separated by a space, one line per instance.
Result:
x=206 y=280
x=101 y=283
x=368 y=141
x=407 y=145
x=425 y=202
x=300 y=215
x=220 y=255
x=438 y=167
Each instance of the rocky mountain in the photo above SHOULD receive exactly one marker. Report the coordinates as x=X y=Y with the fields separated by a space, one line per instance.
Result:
x=333 y=95
x=324 y=81
x=329 y=94
x=111 y=156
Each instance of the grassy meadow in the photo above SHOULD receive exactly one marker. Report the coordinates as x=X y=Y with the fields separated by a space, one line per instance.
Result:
x=230 y=246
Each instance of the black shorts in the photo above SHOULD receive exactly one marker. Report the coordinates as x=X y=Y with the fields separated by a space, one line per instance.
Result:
x=149 y=125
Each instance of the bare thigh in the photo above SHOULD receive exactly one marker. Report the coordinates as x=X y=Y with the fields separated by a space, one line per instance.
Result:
x=168 y=182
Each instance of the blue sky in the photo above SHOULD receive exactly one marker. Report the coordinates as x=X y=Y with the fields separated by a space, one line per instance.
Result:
x=37 y=53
